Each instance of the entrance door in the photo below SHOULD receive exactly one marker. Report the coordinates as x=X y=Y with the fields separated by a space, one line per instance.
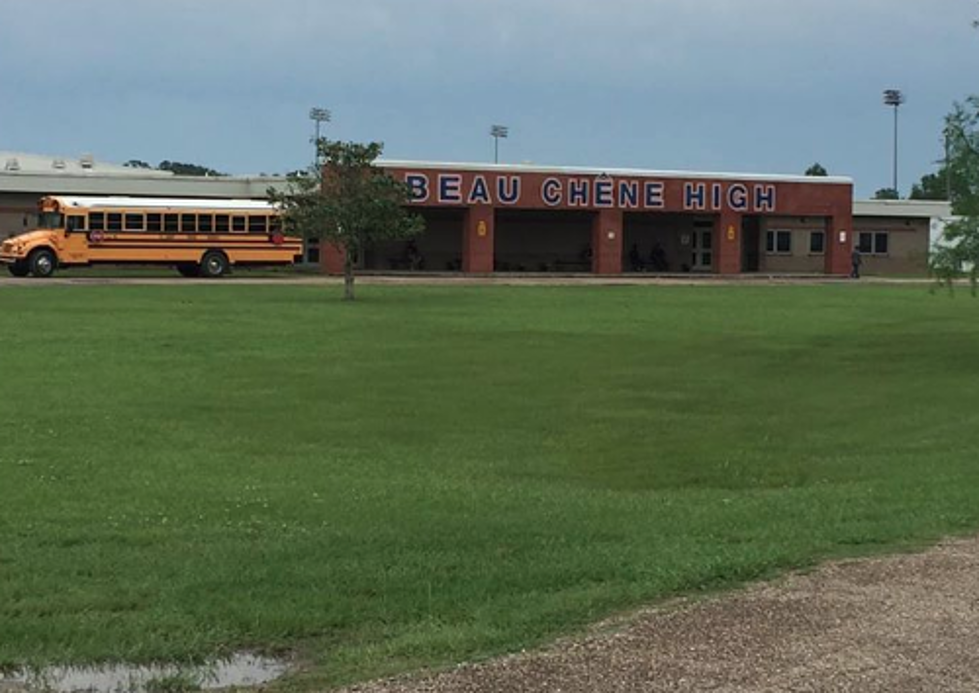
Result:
x=750 y=244
x=702 y=246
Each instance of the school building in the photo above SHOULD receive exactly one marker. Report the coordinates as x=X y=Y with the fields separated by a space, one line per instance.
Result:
x=503 y=218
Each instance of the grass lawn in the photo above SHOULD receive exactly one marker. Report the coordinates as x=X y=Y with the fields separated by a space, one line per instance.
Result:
x=440 y=473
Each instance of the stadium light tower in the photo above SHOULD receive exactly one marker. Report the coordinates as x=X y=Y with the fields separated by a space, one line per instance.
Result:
x=894 y=97
x=498 y=132
x=319 y=116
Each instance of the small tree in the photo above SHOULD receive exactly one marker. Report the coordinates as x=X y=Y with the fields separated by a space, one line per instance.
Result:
x=887 y=194
x=180 y=168
x=957 y=252
x=816 y=169
x=348 y=202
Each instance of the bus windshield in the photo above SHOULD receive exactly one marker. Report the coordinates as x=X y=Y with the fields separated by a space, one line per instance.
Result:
x=50 y=220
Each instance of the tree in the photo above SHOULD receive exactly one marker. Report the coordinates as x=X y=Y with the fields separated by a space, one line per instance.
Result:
x=136 y=163
x=816 y=169
x=887 y=194
x=958 y=251
x=348 y=202
x=932 y=186
x=182 y=169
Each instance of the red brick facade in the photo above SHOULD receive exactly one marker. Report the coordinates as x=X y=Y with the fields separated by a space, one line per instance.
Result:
x=609 y=196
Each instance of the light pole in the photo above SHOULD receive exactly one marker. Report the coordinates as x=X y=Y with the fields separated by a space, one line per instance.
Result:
x=894 y=97
x=319 y=115
x=498 y=132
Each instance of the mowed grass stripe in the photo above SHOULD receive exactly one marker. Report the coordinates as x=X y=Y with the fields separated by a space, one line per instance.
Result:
x=439 y=473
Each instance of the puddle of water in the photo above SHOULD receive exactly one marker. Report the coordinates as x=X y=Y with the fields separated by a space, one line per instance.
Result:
x=239 y=670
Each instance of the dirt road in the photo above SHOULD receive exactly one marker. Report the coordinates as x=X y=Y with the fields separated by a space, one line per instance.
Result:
x=896 y=624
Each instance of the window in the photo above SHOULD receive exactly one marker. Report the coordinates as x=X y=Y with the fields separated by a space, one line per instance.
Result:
x=778 y=242
x=154 y=222
x=96 y=221
x=134 y=222
x=205 y=223
x=312 y=250
x=880 y=243
x=115 y=222
x=170 y=223
x=876 y=243
x=258 y=224
x=275 y=224
x=221 y=223
x=865 y=243
x=76 y=222
x=189 y=223
x=238 y=224
x=51 y=220
x=817 y=242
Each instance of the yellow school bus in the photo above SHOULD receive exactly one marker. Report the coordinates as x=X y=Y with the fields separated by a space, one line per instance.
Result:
x=198 y=237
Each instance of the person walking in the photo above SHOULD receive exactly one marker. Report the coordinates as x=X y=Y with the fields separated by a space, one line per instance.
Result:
x=855 y=261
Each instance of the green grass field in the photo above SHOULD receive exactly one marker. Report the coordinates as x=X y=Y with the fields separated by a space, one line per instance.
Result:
x=435 y=474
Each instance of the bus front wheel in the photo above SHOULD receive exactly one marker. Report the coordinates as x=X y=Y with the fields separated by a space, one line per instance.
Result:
x=19 y=269
x=42 y=263
x=214 y=264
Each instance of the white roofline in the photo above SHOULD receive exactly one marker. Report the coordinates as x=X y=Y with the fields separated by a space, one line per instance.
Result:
x=591 y=171
x=163 y=203
x=902 y=208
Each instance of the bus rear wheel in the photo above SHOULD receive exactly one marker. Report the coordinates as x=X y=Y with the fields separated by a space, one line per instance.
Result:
x=19 y=269
x=214 y=264
x=42 y=263
x=189 y=269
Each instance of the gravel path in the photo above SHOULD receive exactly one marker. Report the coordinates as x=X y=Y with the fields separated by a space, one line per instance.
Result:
x=901 y=623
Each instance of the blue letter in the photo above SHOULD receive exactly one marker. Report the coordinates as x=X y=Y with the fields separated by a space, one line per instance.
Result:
x=764 y=198
x=628 y=194
x=508 y=194
x=654 y=195
x=578 y=192
x=694 y=195
x=603 y=192
x=479 y=192
x=449 y=187
x=417 y=186
x=550 y=192
x=737 y=197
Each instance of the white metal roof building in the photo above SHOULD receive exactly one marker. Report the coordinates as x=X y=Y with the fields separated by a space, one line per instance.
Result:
x=895 y=234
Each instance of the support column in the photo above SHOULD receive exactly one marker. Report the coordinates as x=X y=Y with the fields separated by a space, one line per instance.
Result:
x=606 y=242
x=477 y=240
x=331 y=258
x=727 y=243
x=839 y=242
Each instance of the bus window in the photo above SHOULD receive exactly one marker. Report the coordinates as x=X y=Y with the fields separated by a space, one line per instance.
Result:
x=238 y=224
x=257 y=224
x=275 y=224
x=96 y=221
x=170 y=223
x=134 y=222
x=188 y=223
x=76 y=222
x=204 y=223
x=154 y=222
x=115 y=221
x=51 y=220
x=221 y=223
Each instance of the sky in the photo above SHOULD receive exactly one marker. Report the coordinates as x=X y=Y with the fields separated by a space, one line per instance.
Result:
x=752 y=86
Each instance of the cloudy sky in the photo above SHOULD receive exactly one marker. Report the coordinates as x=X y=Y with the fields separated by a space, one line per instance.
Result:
x=708 y=85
